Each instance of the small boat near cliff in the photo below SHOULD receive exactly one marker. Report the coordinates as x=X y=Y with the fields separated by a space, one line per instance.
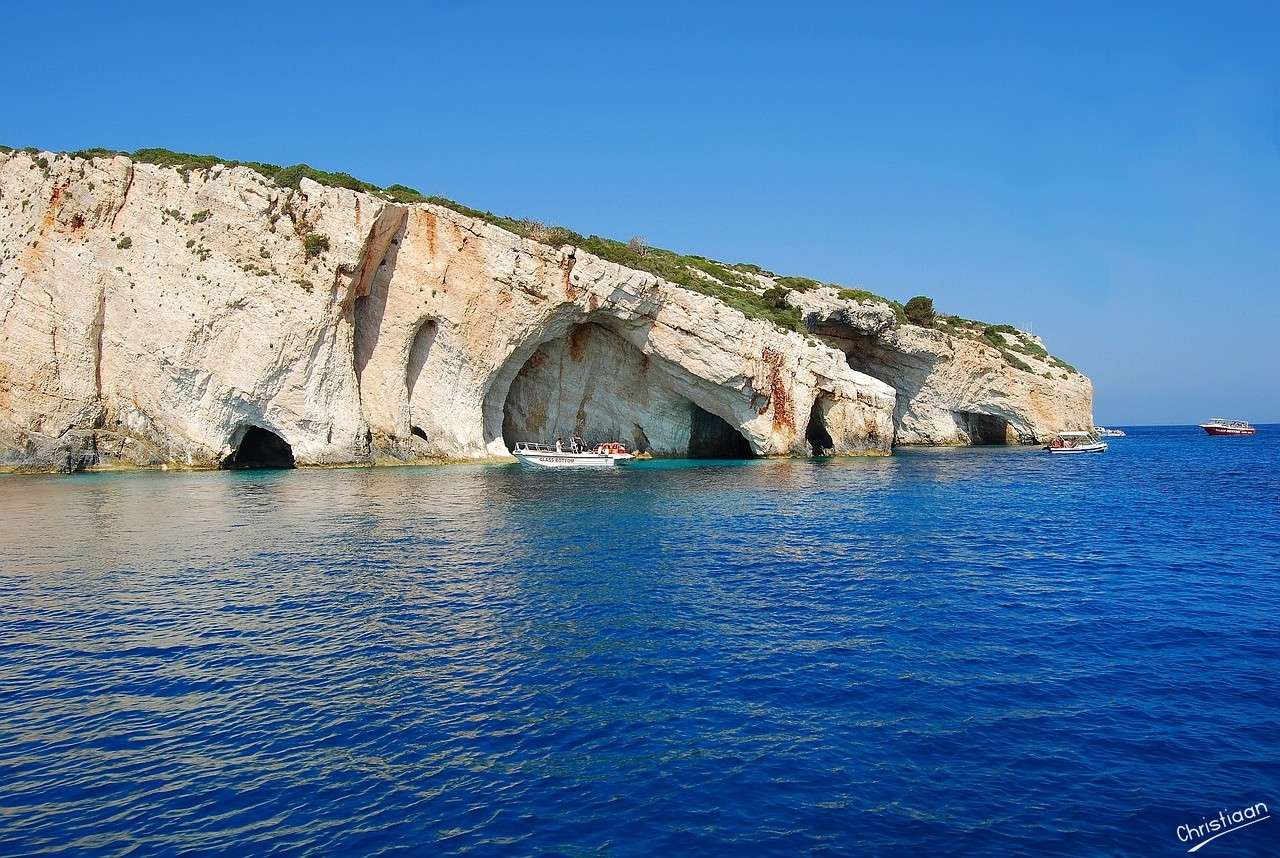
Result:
x=1103 y=432
x=1221 y=426
x=607 y=455
x=1076 y=442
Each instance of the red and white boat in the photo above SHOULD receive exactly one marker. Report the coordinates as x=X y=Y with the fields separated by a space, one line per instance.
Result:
x=1219 y=426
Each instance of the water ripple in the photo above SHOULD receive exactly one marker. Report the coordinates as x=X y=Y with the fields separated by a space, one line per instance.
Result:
x=946 y=652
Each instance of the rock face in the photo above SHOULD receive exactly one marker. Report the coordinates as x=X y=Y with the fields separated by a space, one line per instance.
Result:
x=205 y=318
x=953 y=389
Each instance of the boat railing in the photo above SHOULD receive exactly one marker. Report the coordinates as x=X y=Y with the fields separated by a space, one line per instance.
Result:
x=530 y=445
x=534 y=447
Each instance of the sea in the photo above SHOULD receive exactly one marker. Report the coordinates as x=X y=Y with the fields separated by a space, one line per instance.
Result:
x=982 y=651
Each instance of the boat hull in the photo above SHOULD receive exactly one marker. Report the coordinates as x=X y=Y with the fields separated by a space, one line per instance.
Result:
x=541 y=460
x=1228 y=430
x=1084 y=448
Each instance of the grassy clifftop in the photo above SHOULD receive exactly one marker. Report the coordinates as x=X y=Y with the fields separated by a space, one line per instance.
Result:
x=754 y=291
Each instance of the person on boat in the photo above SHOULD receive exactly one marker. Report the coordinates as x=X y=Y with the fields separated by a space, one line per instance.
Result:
x=559 y=445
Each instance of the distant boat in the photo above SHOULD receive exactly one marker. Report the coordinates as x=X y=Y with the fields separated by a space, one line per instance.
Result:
x=1103 y=432
x=1220 y=426
x=1076 y=442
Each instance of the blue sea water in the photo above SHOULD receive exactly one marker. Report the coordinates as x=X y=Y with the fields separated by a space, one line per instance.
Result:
x=978 y=651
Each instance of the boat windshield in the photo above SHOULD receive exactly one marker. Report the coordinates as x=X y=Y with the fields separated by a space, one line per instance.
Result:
x=1072 y=440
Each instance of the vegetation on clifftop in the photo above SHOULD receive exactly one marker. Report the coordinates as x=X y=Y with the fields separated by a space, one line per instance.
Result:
x=754 y=291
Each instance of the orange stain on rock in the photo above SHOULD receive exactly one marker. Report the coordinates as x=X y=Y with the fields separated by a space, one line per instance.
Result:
x=34 y=253
x=779 y=395
x=425 y=219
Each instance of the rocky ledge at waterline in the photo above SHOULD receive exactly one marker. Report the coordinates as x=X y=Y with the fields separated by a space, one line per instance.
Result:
x=158 y=315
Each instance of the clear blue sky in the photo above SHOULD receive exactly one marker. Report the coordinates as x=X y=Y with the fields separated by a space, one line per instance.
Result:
x=1108 y=176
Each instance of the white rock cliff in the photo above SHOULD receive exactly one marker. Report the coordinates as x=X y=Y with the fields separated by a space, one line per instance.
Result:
x=151 y=316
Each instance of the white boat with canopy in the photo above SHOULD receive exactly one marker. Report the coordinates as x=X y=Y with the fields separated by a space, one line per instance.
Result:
x=1076 y=442
x=533 y=455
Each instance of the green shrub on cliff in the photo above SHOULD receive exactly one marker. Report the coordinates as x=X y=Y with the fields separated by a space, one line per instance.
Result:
x=291 y=177
x=1030 y=348
x=405 y=194
x=800 y=284
x=919 y=311
x=315 y=243
x=185 y=162
x=1015 y=361
x=96 y=152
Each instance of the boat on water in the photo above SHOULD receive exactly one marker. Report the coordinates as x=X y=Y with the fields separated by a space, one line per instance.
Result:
x=1076 y=442
x=1104 y=432
x=608 y=455
x=1222 y=426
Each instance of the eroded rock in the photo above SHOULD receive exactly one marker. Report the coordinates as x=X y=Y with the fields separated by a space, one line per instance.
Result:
x=157 y=317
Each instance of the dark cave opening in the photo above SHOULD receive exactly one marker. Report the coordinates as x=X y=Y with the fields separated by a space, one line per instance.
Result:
x=820 y=442
x=419 y=433
x=711 y=437
x=983 y=429
x=260 y=448
x=863 y=353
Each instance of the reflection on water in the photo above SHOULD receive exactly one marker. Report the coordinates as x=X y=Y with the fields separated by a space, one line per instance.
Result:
x=942 y=651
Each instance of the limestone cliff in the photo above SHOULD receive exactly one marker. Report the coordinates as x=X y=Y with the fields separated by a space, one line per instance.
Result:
x=957 y=382
x=152 y=316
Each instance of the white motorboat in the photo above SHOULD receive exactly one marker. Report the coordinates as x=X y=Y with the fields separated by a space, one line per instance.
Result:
x=1076 y=442
x=1103 y=432
x=547 y=456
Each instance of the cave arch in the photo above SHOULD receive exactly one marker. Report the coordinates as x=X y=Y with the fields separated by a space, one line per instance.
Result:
x=369 y=309
x=594 y=382
x=260 y=448
x=711 y=437
x=816 y=434
x=982 y=429
x=424 y=337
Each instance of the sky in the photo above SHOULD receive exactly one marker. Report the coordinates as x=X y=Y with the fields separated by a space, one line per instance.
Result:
x=1106 y=177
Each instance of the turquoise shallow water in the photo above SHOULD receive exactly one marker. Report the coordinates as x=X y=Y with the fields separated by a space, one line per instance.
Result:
x=981 y=651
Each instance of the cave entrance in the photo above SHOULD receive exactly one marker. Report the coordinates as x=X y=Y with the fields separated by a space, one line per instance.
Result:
x=982 y=429
x=711 y=437
x=260 y=448
x=423 y=339
x=816 y=434
x=596 y=384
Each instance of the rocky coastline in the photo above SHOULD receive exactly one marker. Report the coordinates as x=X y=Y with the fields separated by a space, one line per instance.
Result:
x=160 y=316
